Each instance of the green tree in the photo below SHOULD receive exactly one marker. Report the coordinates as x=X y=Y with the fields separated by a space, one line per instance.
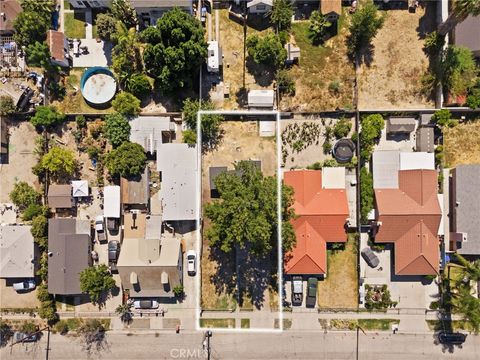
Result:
x=60 y=163
x=342 y=128
x=117 y=129
x=210 y=123
x=245 y=217
x=364 y=26
x=126 y=104
x=189 y=137
x=176 y=49
x=267 y=50
x=459 y=70
x=123 y=11
x=178 y=291
x=47 y=116
x=126 y=56
x=124 y=311
x=285 y=82
x=34 y=210
x=43 y=8
x=7 y=107
x=30 y=27
x=366 y=194
x=473 y=99
x=128 y=160
x=106 y=26
x=318 y=27
x=470 y=269
x=138 y=85
x=6 y=333
x=443 y=118
x=24 y=195
x=461 y=9
x=371 y=130
x=281 y=14
x=96 y=281
x=38 y=54
x=48 y=311
x=28 y=328
x=39 y=231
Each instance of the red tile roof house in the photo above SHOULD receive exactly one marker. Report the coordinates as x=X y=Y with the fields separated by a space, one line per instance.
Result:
x=409 y=217
x=321 y=217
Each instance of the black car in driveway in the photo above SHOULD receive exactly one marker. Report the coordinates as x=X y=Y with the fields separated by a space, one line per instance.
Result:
x=113 y=253
x=449 y=338
x=370 y=257
x=311 y=292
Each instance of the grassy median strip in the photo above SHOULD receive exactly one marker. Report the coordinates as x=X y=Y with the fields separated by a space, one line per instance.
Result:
x=245 y=323
x=217 y=323
x=365 y=324
x=437 y=325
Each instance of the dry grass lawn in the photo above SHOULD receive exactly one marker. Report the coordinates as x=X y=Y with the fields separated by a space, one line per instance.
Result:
x=462 y=144
x=340 y=288
x=319 y=67
x=393 y=77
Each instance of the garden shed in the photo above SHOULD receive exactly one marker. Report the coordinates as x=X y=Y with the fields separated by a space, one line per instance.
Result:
x=261 y=99
x=80 y=188
x=400 y=125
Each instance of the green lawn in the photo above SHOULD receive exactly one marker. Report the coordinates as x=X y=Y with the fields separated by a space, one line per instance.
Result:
x=365 y=324
x=75 y=25
x=340 y=288
x=66 y=5
x=436 y=325
x=217 y=323
x=287 y=324
x=245 y=323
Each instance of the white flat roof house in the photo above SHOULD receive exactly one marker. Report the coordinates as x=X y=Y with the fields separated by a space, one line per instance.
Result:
x=148 y=131
x=17 y=252
x=387 y=164
x=263 y=99
x=178 y=166
x=111 y=201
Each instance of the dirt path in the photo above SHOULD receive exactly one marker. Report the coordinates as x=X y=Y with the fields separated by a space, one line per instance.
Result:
x=393 y=79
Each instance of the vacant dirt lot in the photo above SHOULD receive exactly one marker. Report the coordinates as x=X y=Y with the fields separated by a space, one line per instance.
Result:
x=462 y=144
x=321 y=67
x=393 y=77
x=340 y=288
x=21 y=158
x=240 y=142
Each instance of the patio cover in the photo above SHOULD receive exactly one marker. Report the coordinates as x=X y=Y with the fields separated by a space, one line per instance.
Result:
x=80 y=188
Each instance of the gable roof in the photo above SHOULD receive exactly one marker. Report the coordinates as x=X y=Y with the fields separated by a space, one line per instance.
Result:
x=69 y=245
x=60 y=196
x=321 y=218
x=257 y=2
x=136 y=191
x=80 y=188
x=17 y=252
x=410 y=217
x=56 y=44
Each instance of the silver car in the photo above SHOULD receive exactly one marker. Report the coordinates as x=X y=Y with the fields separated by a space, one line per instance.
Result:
x=370 y=257
x=24 y=285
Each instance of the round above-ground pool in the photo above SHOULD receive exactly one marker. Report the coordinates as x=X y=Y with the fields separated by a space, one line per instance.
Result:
x=344 y=150
x=98 y=86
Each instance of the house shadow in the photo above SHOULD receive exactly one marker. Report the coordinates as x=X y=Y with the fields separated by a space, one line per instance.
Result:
x=426 y=23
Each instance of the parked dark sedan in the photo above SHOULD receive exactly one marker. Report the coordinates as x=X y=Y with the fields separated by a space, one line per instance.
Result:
x=451 y=338
x=370 y=257
x=113 y=252
x=311 y=292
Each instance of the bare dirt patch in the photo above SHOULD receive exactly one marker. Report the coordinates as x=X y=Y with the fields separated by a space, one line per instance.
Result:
x=240 y=142
x=321 y=67
x=393 y=77
x=461 y=144
x=21 y=158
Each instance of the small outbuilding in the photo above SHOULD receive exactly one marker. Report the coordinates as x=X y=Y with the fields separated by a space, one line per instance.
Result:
x=400 y=125
x=425 y=138
x=58 y=46
x=267 y=128
x=261 y=99
x=293 y=53
x=136 y=192
x=259 y=6
x=111 y=202
x=331 y=9
x=60 y=196
x=80 y=188
x=213 y=172
x=214 y=60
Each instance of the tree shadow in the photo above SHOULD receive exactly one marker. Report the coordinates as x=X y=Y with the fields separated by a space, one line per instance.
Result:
x=426 y=23
x=258 y=22
x=263 y=74
x=224 y=278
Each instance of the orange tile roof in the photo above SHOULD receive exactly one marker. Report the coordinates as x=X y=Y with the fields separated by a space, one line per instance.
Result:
x=410 y=217
x=321 y=218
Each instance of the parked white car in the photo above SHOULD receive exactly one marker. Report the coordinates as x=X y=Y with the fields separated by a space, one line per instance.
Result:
x=145 y=304
x=191 y=262
x=100 y=228
x=24 y=285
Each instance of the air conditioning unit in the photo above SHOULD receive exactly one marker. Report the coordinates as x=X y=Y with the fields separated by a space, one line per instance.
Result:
x=459 y=237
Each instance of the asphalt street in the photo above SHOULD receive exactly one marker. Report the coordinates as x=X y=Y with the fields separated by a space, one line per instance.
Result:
x=287 y=345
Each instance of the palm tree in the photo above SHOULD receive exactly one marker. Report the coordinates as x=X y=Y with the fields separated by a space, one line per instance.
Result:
x=470 y=269
x=124 y=311
x=461 y=9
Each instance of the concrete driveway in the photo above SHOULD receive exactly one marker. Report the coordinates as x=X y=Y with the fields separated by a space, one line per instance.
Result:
x=410 y=292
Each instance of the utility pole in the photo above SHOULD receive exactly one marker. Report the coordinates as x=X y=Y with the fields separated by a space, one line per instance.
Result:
x=358 y=328
x=208 y=335
x=244 y=40
x=48 y=343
